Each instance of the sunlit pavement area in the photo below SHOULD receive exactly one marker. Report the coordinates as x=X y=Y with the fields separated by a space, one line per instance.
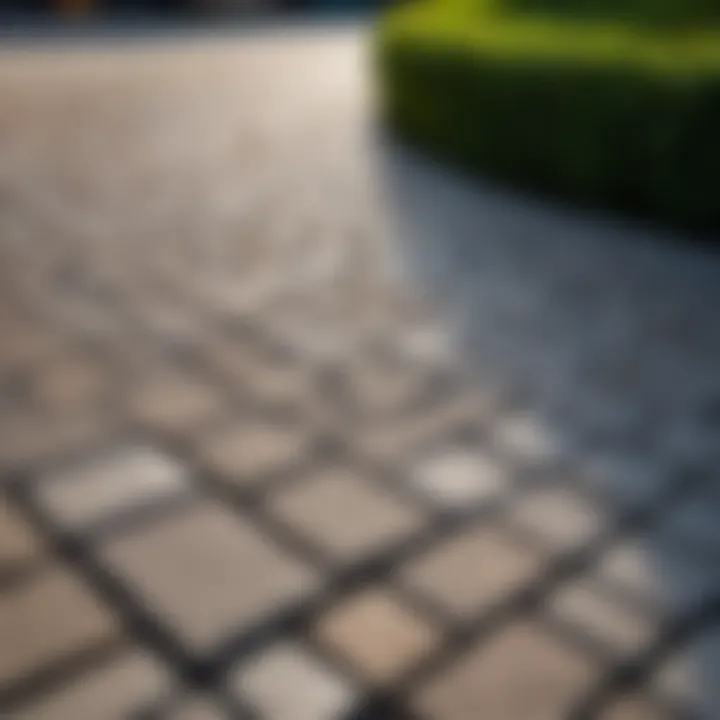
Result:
x=295 y=425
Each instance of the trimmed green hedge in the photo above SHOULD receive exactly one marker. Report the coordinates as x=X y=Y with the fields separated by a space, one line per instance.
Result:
x=604 y=114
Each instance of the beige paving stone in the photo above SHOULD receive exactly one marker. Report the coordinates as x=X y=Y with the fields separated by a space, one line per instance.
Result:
x=46 y=619
x=636 y=708
x=377 y=635
x=457 y=476
x=561 y=520
x=208 y=573
x=125 y=478
x=519 y=673
x=345 y=514
x=126 y=685
x=71 y=381
x=285 y=682
x=174 y=403
x=197 y=708
x=473 y=571
x=247 y=452
x=619 y=627
x=18 y=543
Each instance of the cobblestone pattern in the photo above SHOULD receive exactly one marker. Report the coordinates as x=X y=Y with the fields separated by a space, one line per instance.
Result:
x=247 y=470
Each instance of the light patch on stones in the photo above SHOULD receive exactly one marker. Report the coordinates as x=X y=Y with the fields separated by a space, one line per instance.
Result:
x=458 y=476
x=122 y=480
x=525 y=438
x=285 y=682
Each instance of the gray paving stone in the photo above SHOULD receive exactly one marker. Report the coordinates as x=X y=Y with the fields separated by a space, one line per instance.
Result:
x=660 y=573
x=619 y=628
x=380 y=637
x=527 y=439
x=115 y=691
x=561 y=519
x=345 y=514
x=473 y=571
x=285 y=682
x=123 y=479
x=208 y=574
x=520 y=672
x=691 y=677
x=458 y=477
x=48 y=618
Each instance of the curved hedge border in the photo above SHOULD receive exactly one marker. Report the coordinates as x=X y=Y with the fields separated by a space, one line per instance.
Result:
x=605 y=114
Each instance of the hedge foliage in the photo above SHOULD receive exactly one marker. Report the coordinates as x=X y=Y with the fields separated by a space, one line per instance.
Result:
x=603 y=113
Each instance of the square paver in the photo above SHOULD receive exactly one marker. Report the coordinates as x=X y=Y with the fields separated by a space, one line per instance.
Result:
x=377 y=635
x=46 y=619
x=124 y=479
x=345 y=514
x=19 y=545
x=208 y=573
x=620 y=628
x=560 y=519
x=456 y=477
x=285 y=682
x=115 y=691
x=174 y=403
x=520 y=673
x=473 y=571
x=246 y=453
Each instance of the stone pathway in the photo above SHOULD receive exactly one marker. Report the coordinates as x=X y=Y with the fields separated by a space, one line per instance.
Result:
x=295 y=427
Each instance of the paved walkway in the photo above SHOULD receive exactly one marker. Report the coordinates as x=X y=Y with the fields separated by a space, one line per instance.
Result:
x=294 y=426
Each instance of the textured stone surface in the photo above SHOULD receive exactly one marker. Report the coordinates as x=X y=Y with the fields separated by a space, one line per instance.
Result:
x=520 y=673
x=285 y=682
x=247 y=452
x=197 y=708
x=121 y=480
x=377 y=635
x=635 y=708
x=208 y=573
x=473 y=571
x=46 y=619
x=18 y=544
x=457 y=477
x=114 y=691
x=345 y=514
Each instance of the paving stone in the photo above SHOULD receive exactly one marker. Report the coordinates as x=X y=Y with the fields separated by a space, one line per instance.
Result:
x=46 y=619
x=246 y=453
x=519 y=673
x=25 y=345
x=115 y=691
x=197 y=708
x=473 y=571
x=621 y=629
x=525 y=438
x=18 y=543
x=660 y=573
x=636 y=708
x=379 y=637
x=691 y=678
x=208 y=573
x=456 y=477
x=174 y=403
x=560 y=519
x=695 y=519
x=285 y=682
x=123 y=479
x=71 y=381
x=345 y=514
